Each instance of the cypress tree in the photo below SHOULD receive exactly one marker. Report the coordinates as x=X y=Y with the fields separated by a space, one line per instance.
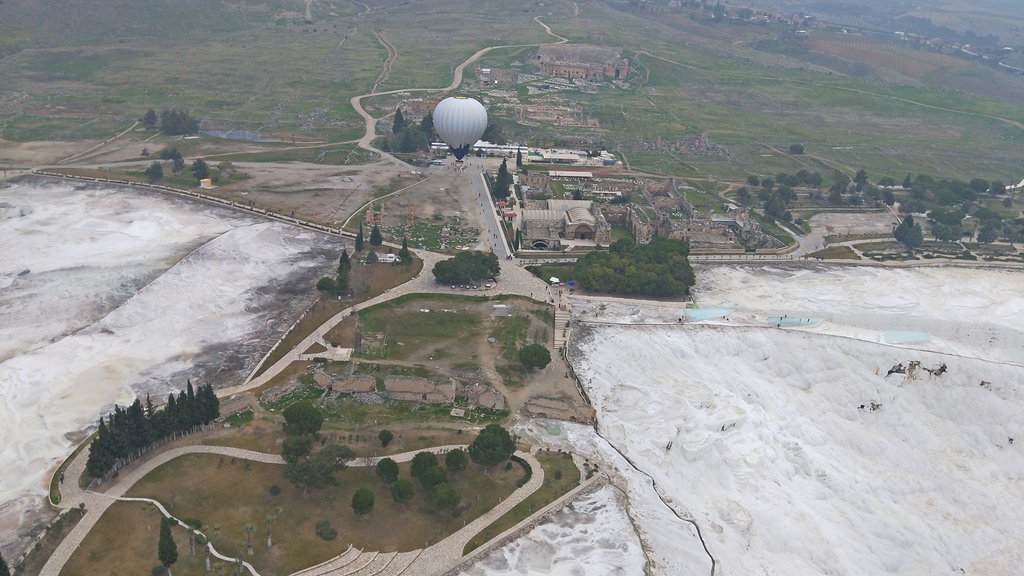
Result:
x=359 y=238
x=211 y=408
x=404 y=254
x=344 y=263
x=375 y=237
x=427 y=125
x=341 y=283
x=399 y=122
x=100 y=460
x=167 y=551
x=4 y=570
x=139 y=433
x=171 y=414
x=906 y=182
x=519 y=157
x=195 y=417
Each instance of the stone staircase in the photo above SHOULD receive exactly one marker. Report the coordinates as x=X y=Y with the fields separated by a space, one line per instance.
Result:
x=354 y=562
x=333 y=566
x=562 y=330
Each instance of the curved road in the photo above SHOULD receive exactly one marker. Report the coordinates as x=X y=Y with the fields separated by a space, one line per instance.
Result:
x=366 y=142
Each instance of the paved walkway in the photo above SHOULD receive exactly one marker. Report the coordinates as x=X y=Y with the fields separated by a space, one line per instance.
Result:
x=437 y=558
x=422 y=562
x=96 y=502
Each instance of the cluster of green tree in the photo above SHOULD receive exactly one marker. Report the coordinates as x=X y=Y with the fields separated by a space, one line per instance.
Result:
x=174 y=122
x=303 y=467
x=948 y=225
x=134 y=429
x=406 y=137
x=909 y=233
x=465 y=267
x=952 y=200
x=926 y=190
x=777 y=195
x=501 y=185
x=800 y=178
x=660 y=268
x=432 y=477
x=338 y=285
x=534 y=356
x=177 y=160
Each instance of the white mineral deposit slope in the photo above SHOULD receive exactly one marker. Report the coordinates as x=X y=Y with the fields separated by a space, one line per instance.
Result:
x=84 y=338
x=71 y=254
x=797 y=453
x=592 y=536
x=978 y=312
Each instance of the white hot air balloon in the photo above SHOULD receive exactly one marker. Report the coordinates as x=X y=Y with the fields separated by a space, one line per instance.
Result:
x=460 y=121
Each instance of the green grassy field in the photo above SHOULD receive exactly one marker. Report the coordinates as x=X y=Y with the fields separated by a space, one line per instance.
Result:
x=264 y=67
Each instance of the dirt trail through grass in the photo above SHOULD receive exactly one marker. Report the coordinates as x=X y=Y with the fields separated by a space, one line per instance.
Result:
x=388 y=64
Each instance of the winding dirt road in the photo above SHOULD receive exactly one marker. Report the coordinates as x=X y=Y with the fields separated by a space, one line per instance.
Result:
x=366 y=142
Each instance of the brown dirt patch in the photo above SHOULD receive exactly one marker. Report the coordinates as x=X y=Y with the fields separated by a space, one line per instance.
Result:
x=34 y=153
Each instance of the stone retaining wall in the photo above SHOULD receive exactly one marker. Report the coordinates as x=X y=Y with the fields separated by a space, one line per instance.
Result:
x=527 y=524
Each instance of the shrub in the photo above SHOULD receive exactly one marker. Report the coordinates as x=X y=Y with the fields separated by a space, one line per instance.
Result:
x=195 y=523
x=324 y=530
x=275 y=489
x=385 y=437
x=158 y=571
x=526 y=466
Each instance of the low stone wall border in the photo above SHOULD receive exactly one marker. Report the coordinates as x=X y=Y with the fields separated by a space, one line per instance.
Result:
x=527 y=524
